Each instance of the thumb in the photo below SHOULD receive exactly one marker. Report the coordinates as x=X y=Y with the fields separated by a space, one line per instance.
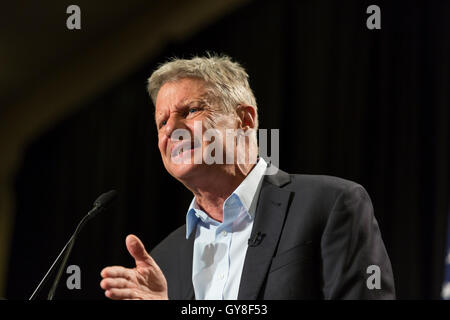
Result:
x=137 y=250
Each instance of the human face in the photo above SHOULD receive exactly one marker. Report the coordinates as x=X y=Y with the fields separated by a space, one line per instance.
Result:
x=178 y=105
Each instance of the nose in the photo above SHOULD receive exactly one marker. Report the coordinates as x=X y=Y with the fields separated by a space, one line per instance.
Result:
x=172 y=124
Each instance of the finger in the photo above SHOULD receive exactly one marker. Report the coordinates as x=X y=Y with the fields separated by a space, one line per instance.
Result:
x=117 y=272
x=137 y=250
x=121 y=294
x=119 y=283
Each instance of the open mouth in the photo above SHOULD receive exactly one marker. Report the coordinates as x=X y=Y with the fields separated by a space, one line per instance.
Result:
x=184 y=147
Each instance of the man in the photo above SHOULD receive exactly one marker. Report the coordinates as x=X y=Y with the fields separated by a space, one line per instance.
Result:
x=248 y=235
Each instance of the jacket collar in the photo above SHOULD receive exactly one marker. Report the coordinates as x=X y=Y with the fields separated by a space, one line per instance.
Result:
x=269 y=221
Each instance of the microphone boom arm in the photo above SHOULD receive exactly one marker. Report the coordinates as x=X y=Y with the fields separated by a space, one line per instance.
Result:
x=99 y=205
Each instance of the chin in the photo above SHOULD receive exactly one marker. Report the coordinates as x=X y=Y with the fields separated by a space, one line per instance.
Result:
x=183 y=171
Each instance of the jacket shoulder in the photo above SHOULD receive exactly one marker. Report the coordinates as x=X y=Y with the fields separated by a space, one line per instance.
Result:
x=316 y=197
x=169 y=243
x=322 y=186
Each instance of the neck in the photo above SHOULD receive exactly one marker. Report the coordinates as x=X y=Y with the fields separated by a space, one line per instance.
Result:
x=211 y=192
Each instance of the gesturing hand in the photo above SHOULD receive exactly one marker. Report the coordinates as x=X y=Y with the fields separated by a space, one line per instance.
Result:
x=144 y=282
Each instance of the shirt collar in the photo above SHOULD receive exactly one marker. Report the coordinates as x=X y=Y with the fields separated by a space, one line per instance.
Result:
x=247 y=193
x=248 y=190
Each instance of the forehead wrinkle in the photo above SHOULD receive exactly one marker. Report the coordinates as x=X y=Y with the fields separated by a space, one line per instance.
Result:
x=183 y=103
x=188 y=102
x=202 y=98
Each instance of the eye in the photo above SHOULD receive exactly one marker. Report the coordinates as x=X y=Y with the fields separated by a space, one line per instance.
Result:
x=162 y=123
x=192 y=110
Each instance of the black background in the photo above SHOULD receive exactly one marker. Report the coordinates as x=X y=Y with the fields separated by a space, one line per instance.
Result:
x=365 y=105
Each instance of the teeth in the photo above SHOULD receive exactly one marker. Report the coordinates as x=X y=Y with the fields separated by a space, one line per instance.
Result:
x=184 y=147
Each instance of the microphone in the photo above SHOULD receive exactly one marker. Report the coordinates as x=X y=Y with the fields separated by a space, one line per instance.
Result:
x=100 y=205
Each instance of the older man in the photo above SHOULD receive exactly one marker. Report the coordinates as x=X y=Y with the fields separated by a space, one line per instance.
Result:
x=248 y=235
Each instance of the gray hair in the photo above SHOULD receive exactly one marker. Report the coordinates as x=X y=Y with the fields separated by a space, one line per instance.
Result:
x=226 y=80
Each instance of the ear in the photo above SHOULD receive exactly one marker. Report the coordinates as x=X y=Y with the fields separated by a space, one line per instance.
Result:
x=247 y=116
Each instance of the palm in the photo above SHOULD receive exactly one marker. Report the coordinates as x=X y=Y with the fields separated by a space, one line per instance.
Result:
x=149 y=280
x=144 y=282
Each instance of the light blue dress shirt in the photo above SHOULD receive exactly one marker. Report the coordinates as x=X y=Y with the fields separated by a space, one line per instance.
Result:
x=220 y=247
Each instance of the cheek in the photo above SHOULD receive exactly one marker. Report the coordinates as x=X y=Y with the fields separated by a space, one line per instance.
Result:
x=162 y=143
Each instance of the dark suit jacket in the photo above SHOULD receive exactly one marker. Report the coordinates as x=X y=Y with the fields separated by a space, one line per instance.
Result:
x=320 y=236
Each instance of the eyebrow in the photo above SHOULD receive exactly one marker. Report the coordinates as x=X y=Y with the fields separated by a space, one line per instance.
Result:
x=189 y=103
x=182 y=104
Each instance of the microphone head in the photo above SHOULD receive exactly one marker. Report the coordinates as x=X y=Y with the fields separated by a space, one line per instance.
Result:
x=105 y=199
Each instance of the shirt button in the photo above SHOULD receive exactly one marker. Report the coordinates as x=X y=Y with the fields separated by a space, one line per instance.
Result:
x=224 y=233
x=221 y=276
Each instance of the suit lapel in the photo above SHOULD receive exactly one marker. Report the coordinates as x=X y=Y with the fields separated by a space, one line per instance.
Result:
x=186 y=255
x=269 y=219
